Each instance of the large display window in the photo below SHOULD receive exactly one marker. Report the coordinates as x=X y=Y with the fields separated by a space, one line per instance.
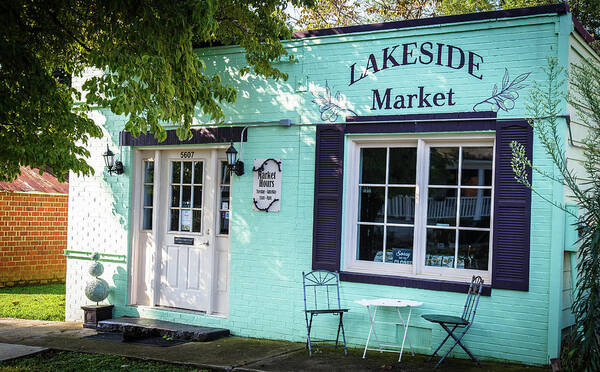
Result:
x=419 y=206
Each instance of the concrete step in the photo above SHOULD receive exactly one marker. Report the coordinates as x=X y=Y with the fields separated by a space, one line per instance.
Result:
x=134 y=328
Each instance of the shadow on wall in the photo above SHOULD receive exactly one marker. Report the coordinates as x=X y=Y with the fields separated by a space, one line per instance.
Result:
x=119 y=184
x=118 y=293
x=259 y=98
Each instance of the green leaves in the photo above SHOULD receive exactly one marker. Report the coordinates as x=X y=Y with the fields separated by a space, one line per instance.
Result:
x=153 y=75
x=546 y=103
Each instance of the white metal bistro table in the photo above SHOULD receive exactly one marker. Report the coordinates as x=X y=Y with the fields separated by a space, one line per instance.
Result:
x=372 y=306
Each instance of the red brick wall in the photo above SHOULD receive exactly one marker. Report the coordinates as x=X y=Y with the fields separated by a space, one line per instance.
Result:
x=33 y=237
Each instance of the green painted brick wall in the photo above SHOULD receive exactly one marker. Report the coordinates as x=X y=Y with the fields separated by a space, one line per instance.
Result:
x=270 y=250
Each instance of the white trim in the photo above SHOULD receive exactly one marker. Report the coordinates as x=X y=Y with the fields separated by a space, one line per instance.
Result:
x=134 y=249
x=156 y=228
x=423 y=144
x=209 y=206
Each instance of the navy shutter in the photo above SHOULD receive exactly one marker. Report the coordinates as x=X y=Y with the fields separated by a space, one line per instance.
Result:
x=327 y=223
x=512 y=211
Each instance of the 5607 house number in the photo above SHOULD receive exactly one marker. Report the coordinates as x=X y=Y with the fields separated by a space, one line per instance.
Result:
x=186 y=154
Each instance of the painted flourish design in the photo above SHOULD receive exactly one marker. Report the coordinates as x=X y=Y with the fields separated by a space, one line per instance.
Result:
x=506 y=97
x=330 y=106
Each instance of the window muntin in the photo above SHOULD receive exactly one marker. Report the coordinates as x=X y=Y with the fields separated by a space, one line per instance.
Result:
x=450 y=220
x=386 y=204
x=458 y=229
x=185 y=196
x=148 y=194
x=224 y=199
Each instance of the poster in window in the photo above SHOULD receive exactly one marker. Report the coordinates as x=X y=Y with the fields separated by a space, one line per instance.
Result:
x=186 y=220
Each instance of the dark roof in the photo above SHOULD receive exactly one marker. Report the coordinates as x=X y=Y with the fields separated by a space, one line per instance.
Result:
x=30 y=180
x=508 y=13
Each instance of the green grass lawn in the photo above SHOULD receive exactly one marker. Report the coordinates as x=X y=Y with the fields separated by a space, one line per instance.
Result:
x=43 y=302
x=69 y=361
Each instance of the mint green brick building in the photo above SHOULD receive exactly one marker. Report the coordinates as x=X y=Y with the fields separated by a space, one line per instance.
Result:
x=395 y=172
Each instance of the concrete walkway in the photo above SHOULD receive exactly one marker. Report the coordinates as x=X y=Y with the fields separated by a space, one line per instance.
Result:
x=231 y=353
x=12 y=351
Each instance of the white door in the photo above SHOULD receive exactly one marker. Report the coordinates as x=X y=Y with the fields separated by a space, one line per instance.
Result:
x=188 y=180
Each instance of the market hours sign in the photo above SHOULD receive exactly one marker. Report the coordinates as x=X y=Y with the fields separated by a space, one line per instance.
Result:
x=266 y=189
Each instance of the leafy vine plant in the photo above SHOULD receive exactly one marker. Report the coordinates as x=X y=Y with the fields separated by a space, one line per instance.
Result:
x=330 y=106
x=506 y=97
x=545 y=106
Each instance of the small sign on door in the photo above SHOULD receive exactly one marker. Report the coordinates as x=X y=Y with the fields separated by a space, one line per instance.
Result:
x=266 y=190
x=183 y=241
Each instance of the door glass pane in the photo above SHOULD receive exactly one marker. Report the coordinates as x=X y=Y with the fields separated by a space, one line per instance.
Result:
x=197 y=196
x=225 y=175
x=477 y=166
x=148 y=191
x=197 y=224
x=198 y=172
x=147 y=220
x=443 y=166
x=473 y=249
x=175 y=196
x=174 y=220
x=186 y=220
x=187 y=172
x=148 y=195
x=176 y=172
x=441 y=207
x=370 y=243
x=399 y=244
x=440 y=247
x=148 y=171
x=186 y=197
x=224 y=197
x=371 y=204
x=401 y=205
x=372 y=165
x=403 y=165
x=475 y=207
x=224 y=222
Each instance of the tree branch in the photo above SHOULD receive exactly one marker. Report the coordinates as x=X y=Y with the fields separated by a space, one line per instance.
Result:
x=66 y=31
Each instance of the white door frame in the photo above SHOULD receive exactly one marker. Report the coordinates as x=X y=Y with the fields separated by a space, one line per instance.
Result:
x=159 y=227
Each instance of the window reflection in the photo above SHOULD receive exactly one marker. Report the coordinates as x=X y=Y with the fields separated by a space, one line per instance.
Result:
x=477 y=166
x=443 y=166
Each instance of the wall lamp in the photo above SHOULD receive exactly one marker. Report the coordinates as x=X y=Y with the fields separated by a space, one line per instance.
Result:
x=112 y=166
x=237 y=166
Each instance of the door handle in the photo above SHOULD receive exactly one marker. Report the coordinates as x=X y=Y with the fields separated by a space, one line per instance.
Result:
x=206 y=243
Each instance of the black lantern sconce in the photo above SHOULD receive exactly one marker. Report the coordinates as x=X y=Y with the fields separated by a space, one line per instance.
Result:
x=237 y=166
x=112 y=166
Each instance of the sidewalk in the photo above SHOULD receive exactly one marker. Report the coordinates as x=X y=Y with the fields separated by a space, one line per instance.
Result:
x=231 y=353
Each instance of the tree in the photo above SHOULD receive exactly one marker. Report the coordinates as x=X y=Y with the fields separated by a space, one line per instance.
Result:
x=152 y=73
x=586 y=11
x=338 y=13
x=544 y=107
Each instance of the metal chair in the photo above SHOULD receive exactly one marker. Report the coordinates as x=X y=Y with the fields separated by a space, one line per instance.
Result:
x=322 y=296
x=465 y=320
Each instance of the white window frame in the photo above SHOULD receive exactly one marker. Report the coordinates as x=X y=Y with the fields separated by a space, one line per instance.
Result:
x=180 y=208
x=143 y=184
x=220 y=162
x=423 y=142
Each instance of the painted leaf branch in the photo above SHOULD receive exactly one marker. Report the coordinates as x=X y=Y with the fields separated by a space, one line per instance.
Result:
x=506 y=97
x=330 y=106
